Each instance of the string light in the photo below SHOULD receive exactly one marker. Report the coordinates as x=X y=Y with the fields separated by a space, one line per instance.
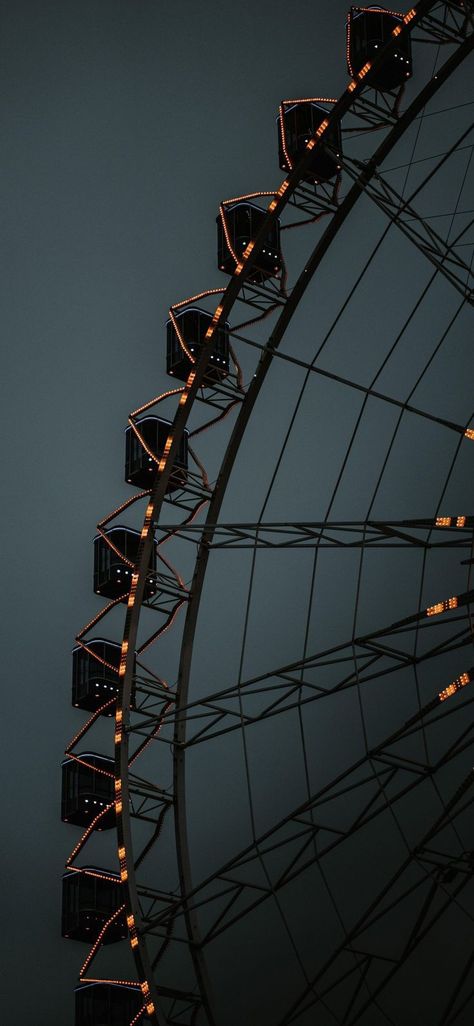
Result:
x=98 y=942
x=87 y=833
x=180 y=338
x=194 y=299
x=94 y=873
x=88 y=724
x=89 y=765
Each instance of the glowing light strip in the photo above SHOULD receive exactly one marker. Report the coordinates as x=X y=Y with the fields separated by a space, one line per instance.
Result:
x=248 y=196
x=456 y=685
x=450 y=521
x=180 y=337
x=155 y=401
x=95 y=715
x=146 y=447
x=281 y=113
x=130 y=604
x=97 y=943
x=442 y=607
x=146 y=994
x=194 y=299
x=123 y=864
x=88 y=765
x=96 y=656
x=226 y=233
x=115 y=548
x=92 y=872
x=121 y=508
x=311 y=99
x=87 y=834
x=469 y=433
x=139 y=1016
x=118 y=983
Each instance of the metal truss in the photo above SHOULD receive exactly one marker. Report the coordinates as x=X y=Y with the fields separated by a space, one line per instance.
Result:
x=425 y=534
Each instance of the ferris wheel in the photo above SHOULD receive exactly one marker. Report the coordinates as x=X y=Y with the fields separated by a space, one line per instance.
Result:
x=273 y=787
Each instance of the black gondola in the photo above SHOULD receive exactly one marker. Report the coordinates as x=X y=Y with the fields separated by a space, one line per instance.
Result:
x=368 y=30
x=297 y=124
x=87 y=790
x=89 y=900
x=112 y=575
x=93 y=682
x=107 y=1004
x=242 y=221
x=140 y=467
x=192 y=326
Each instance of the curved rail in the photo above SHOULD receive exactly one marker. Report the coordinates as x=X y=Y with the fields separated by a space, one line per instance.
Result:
x=231 y=453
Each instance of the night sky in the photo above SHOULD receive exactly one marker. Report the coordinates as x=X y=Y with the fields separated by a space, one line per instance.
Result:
x=126 y=123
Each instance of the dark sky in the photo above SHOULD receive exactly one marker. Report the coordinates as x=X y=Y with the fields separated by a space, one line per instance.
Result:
x=126 y=122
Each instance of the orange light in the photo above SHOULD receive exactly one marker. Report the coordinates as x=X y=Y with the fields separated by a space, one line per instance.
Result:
x=441 y=607
x=396 y=31
x=283 y=136
x=154 y=402
x=223 y=218
x=97 y=943
x=248 y=196
x=456 y=685
x=124 y=983
x=443 y=521
x=91 y=872
x=88 y=724
x=460 y=521
x=194 y=299
x=80 y=844
x=180 y=337
x=363 y=71
x=410 y=15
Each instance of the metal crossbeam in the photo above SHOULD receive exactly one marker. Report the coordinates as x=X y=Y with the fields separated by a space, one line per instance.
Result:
x=330 y=534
